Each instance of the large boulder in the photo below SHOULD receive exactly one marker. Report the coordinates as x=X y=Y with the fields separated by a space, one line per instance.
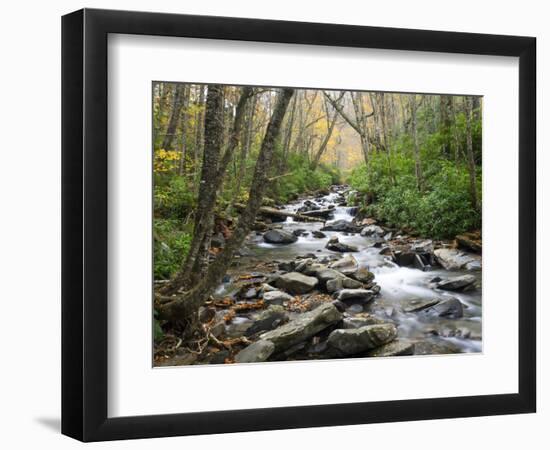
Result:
x=363 y=275
x=335 y=245
x=372 y=230
x=268 y=319
x=351 y=323
x=450 y=307
x=276 y=297
x=357 y=295
x=257 y=352
x=452 y=259
x=296 y=283
x=347 y=265
x=279 y=237
x=303 y=327
x=462 y=283
x=359 y=340
x=399 y=347
x=336 y=284
x=341 y=225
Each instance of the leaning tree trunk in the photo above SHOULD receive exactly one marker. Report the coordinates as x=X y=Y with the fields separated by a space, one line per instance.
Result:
x=212 y=175
x=184 y=308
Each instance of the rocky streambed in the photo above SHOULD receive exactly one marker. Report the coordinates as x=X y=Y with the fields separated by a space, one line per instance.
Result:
x=342 y=287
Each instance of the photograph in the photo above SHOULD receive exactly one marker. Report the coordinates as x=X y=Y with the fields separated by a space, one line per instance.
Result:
x=298 y=224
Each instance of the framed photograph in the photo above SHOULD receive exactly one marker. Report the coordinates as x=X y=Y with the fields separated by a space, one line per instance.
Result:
x=273 y=225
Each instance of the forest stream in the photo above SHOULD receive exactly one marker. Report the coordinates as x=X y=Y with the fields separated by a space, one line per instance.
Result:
x=433 y=309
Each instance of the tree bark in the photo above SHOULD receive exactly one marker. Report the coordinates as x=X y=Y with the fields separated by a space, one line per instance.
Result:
x=167 y=143
x=417 y=162
x=470 y=153
x=213 y=172
x=184 y=307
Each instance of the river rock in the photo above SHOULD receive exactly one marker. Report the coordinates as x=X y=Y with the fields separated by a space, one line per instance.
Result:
x=462 y=283
x=276 y=297
x=470 y=241
x=449 y=307
x=341 y=225
x=257 y=352
x=425 y=246
x=452 y=259
x=435 y=347
x=337 y=284
x=298 y=232
x=404 y=258
x=399 y=347
x=351 y=323
x=279 y=237
x=296 y=283
x=363 y=295
x=351 y=342
x=303 y=327
x=268 y=319
x=363 y=275
x=322 y=213
x=318 y=234
x=418 y=304
x=336 y=246
x=346 y=265
x=372 y=230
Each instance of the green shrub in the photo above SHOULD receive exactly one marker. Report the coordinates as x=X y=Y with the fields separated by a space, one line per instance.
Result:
x=172 y=197
x=442 y=210
x=171 y=245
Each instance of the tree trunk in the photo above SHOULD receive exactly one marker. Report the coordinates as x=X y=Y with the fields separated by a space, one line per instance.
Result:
x=331 y=122
x=213 y=171
x=470 y=152
x=167 y=143
x=183 y=153
x=185 y=307
x=417 y=162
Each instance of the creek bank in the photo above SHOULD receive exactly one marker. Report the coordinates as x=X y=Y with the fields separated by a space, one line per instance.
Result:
x=307 y=281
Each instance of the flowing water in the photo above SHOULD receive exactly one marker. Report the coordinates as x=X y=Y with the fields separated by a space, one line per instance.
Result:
x=398 y=284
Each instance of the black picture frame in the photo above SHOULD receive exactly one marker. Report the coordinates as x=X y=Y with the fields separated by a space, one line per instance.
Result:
x=84 y=224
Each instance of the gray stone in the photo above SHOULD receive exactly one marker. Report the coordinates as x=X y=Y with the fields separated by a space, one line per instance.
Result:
x=363 y=295
x=452 y=259
x=257 y=352
x=279 y=237
x=418 y=304
x=303 y=327
x=449 y=307
x=404 y=258
x=341 y=225
x=318 y=234
x=347 y=265
x=276 y=297
x=372 y=230
x=425 y=246
x=351 y=342
x=335 y=245
x=296 y=283
x=350 y=323
x=268 y=319
x=399 y=347
x=462 y=283
x=337 y=284
x=363 y=275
